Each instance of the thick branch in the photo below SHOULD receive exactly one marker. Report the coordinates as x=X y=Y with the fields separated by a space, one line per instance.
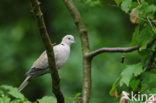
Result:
x=118 y=49
x=49 y=49
x=85 y=48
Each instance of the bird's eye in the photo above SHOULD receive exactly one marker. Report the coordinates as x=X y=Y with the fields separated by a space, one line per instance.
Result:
x=68 y=38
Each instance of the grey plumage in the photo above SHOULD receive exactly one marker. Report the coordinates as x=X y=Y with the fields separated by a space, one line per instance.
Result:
x=40 y=66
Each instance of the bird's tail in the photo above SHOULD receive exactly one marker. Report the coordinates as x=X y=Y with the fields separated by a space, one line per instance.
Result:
x=24 y=83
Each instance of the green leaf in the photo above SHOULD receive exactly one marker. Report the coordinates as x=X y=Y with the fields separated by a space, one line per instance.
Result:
x=114 y=87
x=78 y=95
x=126 y=5
x=1 y=93
x=151 y=91
x=146 y=55
x=13 y=92
x=129 y=72
x=149 y=80
x=146 y=10
x=152 y=8
x=142 y=36
x=145 y=36
x=19 y=101
x=118 y=2
x=135 y=36
x=47 y=99
x=134 y=84
x=4 y=99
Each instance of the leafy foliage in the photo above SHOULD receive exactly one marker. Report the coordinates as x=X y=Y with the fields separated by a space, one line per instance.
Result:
x=129 y=72
x=126 y=5
x=136 y=76
x=10 y=94
x=47 y=99
x=142 y=36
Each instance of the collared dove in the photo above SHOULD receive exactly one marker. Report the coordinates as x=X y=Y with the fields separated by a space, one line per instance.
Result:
x=40 y=66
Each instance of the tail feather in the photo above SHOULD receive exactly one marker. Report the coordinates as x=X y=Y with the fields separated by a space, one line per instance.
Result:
x=24 y=83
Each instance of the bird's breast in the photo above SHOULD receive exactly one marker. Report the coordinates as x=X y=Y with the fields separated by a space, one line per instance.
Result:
x=61 y=55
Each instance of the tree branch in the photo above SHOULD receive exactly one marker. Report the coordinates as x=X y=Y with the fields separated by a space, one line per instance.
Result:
x=118 y=49
x=49 y=49
x=111 y=50
x=85 y=49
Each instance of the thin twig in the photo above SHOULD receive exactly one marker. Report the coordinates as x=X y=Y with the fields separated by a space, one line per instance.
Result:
x=112 y=50
x=151 y=25
x=139 y=2
x=118 y=49
x=49 y=49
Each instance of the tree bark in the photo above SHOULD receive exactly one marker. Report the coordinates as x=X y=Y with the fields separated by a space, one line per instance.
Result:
x=49 y=49
x=86 y=89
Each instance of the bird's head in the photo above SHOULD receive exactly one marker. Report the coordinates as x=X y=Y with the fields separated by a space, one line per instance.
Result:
x=68 y=39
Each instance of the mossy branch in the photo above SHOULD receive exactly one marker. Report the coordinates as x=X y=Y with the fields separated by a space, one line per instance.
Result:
x=49 y=49
x=86 y=89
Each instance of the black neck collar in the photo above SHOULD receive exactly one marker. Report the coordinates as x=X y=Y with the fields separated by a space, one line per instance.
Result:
x=62 y=44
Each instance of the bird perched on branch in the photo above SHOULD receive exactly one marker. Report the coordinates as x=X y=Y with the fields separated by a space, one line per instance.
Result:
x=40 y=66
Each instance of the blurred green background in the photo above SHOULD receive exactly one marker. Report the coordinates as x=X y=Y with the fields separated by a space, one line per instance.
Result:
x=21 y=45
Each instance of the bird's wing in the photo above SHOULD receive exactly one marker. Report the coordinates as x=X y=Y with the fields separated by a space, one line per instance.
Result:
x=42 y=61
x=40 y=64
